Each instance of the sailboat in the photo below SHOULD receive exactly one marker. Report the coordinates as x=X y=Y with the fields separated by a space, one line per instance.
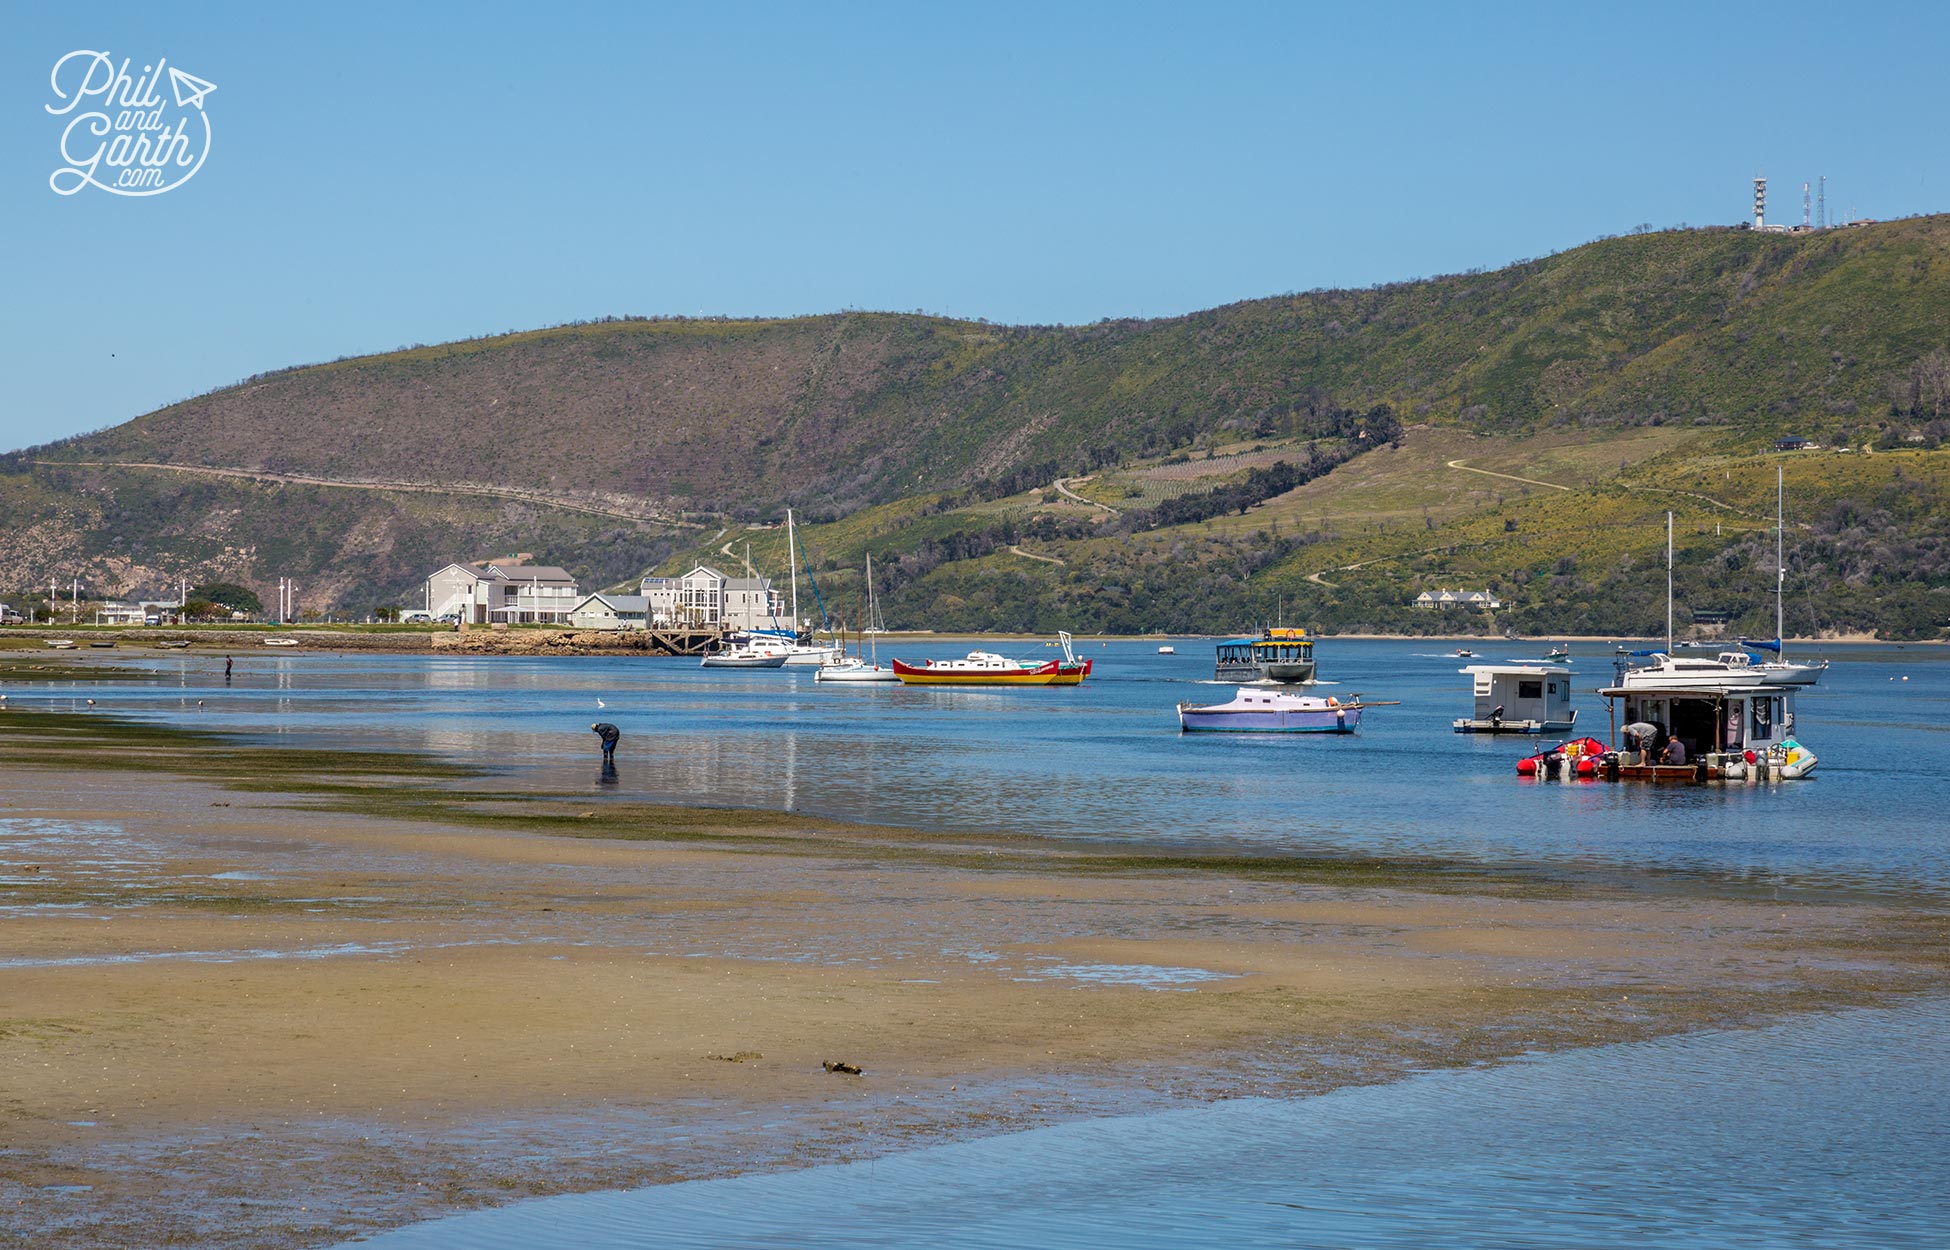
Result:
x=1744 y=665
x=1779 y=671
x=856 y=668
x=798 y=654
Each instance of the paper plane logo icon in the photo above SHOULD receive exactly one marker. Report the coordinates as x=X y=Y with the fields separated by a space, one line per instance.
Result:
x=189 y=89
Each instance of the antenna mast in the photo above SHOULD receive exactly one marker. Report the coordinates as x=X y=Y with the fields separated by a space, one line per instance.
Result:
x=1780 y=562
x=1821 y=204
x=1806 y=219
x=1760 y=202
x=1669 y=583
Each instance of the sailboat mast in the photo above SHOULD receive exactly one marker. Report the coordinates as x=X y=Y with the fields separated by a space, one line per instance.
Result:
x=1780 y=560
x=792 y=563
x=873 y=618
x=1668 y=583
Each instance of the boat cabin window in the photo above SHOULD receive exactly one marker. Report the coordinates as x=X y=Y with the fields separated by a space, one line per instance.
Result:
x=1767 y=714
x=1530 y=690
x=1553 y=687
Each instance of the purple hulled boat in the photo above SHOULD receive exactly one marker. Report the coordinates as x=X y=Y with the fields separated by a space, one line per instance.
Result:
x=1275 y=712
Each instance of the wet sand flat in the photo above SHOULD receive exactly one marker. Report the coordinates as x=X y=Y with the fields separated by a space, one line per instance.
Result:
x=227 y=1021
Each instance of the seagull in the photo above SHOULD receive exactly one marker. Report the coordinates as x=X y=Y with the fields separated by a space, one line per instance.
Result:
x=91 y=703
x=600 y=703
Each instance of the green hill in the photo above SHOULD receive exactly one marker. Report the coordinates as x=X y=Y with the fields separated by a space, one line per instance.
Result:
x=1611 y=369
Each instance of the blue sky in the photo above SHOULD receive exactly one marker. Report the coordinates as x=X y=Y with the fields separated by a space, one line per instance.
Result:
x=387 y=174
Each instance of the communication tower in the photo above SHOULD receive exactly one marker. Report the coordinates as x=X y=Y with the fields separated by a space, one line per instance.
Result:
x=1821 y=204
x=1806 y=219
x=1760 y=203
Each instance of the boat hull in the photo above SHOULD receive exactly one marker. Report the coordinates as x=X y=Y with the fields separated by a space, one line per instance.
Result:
x=742 y=661
x=1285 y=672
x=1472 y=725
x=1271 y=719
x=1050 y=674
x=864 y=674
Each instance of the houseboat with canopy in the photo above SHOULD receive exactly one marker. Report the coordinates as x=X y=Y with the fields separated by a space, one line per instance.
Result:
x=1739 y=728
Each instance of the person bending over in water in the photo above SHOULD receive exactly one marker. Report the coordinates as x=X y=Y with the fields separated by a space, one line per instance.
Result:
x=609 y=734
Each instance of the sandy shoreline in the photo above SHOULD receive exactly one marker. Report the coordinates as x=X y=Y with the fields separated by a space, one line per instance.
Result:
x=205 y=988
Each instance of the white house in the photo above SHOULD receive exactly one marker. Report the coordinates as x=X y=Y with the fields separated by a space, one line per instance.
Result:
x=1478 y=600
x=606 y=611
x=705 y=596
x=502 y=590
x=116 y=612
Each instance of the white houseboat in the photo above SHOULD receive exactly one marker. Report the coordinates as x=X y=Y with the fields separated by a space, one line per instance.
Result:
x=1519 y=699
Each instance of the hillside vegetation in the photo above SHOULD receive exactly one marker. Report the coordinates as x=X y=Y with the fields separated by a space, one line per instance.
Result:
x=1235 y=458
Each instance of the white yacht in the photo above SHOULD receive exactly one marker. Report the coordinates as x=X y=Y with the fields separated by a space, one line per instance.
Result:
x=858 y=668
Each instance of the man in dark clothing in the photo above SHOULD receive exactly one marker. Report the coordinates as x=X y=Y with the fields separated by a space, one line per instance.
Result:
x=609 y=734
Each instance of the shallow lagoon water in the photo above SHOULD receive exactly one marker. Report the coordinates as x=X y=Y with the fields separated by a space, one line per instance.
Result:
x=1823 y=1132
x=1105 y=762
x=1828 y=1132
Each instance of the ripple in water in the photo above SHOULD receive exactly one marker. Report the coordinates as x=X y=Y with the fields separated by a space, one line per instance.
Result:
x=1830 y=1132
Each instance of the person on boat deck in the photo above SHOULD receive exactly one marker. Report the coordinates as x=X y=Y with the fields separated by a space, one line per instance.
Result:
x=1641 y=735
x=1675 y=752
x=609 y=734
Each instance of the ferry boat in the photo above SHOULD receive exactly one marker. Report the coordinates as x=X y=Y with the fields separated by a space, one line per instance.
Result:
x=1518 y=699
x=985 y=668
x=1285 y=656
x=1272 y=711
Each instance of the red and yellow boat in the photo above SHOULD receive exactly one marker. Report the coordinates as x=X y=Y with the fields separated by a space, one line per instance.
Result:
x=985 y=668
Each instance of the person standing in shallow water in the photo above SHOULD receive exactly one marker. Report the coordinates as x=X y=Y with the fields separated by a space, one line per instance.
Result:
x=609 y=734
x=227 y=661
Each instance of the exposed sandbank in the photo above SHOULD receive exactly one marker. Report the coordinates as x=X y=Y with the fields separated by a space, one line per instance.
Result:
x=246 y=1025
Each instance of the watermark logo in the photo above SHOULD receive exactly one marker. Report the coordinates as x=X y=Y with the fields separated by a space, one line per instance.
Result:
x=130 y=141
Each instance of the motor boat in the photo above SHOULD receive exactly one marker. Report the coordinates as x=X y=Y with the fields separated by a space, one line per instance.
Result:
x=1273 y=711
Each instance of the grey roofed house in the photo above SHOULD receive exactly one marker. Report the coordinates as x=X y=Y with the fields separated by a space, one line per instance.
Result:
x=607 y=611
x=704 y=596
x=501 y=590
